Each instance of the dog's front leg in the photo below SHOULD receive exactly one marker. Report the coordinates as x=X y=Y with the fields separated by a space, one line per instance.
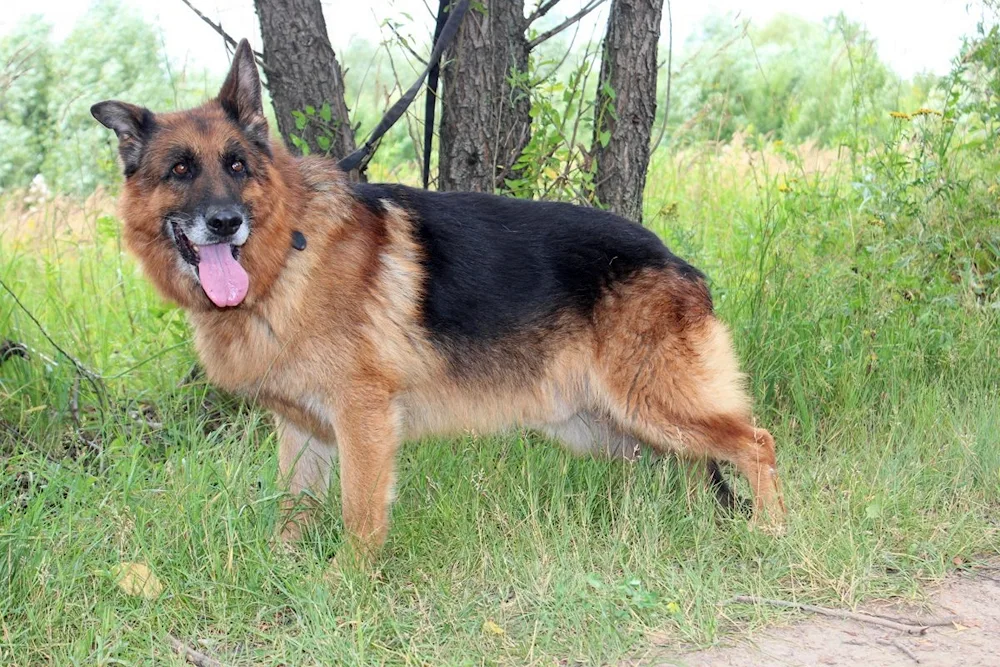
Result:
x=368 y=436
x=304 y=462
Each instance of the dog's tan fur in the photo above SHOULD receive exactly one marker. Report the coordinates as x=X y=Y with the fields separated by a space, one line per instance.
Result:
x=331 y=341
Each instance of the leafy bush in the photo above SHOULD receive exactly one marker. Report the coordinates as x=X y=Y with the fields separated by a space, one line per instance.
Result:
x=45 y=122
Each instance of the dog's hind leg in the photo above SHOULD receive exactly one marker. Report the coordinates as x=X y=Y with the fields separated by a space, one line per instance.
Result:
x=672 y=381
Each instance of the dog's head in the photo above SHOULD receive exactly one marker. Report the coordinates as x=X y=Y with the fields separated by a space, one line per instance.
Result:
x=203 y=192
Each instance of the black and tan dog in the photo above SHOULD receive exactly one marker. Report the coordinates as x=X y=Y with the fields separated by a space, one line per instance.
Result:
x=365 y=315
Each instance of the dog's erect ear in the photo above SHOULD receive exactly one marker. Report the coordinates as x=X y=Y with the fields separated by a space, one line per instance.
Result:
x=240 y=95
x=132 y=124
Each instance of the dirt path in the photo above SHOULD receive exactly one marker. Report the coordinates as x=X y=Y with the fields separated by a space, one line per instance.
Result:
x=974 y=598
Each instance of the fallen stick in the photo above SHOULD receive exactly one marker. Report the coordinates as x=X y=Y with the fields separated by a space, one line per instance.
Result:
x=836 y=613
x=194 y=657
x=924 y=622
x=903 y=648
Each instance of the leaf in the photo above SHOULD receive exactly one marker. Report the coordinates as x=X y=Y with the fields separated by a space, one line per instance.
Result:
x=604 y=138
x=323 y=143
x=310 y=110
x=491 y=628
x=137 y=579
x=300 y=119
x=107 y=227
x=325 y=113
x=299 y=143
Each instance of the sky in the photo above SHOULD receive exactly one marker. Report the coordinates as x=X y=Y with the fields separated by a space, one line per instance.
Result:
x=912 y=35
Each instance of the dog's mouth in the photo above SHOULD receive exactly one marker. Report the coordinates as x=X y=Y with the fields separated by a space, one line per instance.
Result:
x=222 y=277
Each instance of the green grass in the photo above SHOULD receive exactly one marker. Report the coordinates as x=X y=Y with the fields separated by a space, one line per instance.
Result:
x=872 y=346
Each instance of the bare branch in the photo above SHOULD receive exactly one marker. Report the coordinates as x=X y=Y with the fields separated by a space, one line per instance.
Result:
x=94 y=379
x=902 y=647
x=196 y=658
x=670 y=76
x=217 y=27
x=589 y=7
x=406 y=44
x=542 y=9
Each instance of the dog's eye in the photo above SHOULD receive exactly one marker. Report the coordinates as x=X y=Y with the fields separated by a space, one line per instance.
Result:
x=180 y=169
x=237 y=166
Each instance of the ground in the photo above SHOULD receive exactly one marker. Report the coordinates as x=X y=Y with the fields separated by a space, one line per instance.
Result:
x=974 y=639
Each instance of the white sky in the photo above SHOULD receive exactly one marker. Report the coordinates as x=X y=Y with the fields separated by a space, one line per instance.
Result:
x=913 y=35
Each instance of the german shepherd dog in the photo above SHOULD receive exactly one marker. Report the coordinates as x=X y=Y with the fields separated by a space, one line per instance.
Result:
x=363 y=315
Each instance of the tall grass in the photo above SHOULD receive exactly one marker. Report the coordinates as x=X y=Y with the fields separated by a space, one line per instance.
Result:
x=870 y=341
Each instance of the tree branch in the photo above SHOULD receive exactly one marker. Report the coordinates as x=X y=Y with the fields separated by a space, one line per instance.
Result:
x=196 y=658
x=670 y=74
x=217 y=27
x=406 y=44
x=589 y=7
x=95 y=380
x=542 y=9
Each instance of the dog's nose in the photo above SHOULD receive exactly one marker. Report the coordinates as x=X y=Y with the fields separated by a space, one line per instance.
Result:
x=224 y=222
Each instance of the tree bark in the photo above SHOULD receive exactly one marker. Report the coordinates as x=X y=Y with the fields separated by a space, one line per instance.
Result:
x=484 y=120
x=624 y=116
x=302 y=70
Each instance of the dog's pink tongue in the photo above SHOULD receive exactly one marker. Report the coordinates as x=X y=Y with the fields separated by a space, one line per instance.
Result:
x=223 y=279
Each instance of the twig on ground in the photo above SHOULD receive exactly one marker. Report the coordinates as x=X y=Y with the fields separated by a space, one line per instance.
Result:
x=194 y=657
x=902 y=648
x=836 y=613
x=944 y=621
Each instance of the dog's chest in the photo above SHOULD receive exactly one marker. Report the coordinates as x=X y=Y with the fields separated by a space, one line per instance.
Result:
x=243 y=355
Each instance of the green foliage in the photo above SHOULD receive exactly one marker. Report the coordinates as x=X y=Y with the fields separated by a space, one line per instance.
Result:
x=789 y=79
x=111 y=53
x=555 y=163
x=322 y=125
x=25 y=86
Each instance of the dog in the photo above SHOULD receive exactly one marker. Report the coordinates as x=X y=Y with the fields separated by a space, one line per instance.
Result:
x=363 y=315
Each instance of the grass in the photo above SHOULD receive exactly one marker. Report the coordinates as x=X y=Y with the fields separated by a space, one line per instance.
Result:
x=870 y=337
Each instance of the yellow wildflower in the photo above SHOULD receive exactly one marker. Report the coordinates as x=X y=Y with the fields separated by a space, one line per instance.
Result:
x=900 y=115
x=924 y=111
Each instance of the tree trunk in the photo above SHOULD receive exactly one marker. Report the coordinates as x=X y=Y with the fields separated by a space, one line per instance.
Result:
x=302 y=71
x=484 y=120
x=626 y=104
